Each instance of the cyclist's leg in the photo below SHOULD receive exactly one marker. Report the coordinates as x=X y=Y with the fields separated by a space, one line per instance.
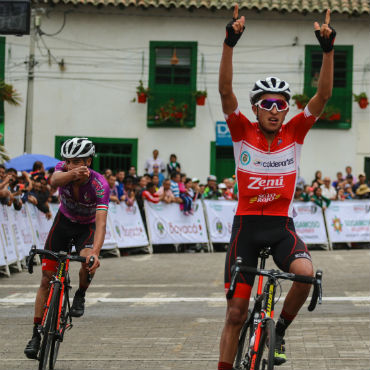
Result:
x=237 y=307
x=291 y=255
x=83 y=242
x=55 y=241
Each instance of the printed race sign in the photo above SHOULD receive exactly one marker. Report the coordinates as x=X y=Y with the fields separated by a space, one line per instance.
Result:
x=348 y=221
x=168 y=225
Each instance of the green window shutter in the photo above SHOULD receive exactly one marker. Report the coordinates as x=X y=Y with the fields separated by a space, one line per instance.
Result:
x=171 y=102
x=338 y=111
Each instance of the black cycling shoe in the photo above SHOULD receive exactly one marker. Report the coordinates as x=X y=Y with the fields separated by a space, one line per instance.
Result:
x=33 y=346
x=279 y=355
x=78 y=306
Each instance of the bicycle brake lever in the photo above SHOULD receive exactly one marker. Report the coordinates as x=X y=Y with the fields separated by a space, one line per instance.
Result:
x=30 y=258
x=91 y=262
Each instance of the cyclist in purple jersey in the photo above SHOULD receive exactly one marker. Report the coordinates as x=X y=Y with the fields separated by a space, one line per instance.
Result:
x=81 y=220
x=93 y=196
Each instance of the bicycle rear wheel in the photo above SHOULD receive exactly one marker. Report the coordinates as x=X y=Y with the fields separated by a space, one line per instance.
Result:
x=49 y=327
x=58 y=337
x=242 y=357
x=266 y=347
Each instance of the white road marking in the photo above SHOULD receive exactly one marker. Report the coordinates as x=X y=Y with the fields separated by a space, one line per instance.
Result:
x=98 y=298
x=112 y=286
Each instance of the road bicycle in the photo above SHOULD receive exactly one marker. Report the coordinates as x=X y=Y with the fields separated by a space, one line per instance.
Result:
x=57 y=318
x=256 y=344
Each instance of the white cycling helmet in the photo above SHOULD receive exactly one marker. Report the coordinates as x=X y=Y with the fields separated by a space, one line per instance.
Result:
x=78 y=147
x=272 y=85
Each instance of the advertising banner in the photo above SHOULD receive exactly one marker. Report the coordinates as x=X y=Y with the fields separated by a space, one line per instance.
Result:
x=127 y=225
x=168 y=225
x=7 y=237
x=220 y=215
x=16 y=232
x=348 y=221
x=23 y=225
x=2 y=254
x=309 y=223
x=40 y=224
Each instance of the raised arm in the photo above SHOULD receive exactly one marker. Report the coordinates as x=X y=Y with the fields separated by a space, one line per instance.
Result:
x=234 y=30
x=326 y=36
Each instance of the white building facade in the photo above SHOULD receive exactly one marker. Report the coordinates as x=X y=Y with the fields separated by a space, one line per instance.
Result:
x=86 y=77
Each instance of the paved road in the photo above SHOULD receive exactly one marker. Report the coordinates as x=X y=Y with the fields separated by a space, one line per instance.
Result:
x=166 y=311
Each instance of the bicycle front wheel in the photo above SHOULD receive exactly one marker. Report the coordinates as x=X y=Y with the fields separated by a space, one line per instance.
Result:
x=266 y=347
x=242 y=359
x=49 y=327
x=54 y=349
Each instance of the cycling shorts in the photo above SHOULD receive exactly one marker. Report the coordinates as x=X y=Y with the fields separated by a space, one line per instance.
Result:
x=65 y=233
x=252 y=233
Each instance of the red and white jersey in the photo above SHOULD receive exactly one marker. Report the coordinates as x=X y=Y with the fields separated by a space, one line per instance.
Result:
x=266 y=174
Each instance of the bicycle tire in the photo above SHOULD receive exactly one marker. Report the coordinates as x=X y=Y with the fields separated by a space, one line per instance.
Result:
x=243 y=344
x=266 y=347
x=54 y=350
x=49 y=327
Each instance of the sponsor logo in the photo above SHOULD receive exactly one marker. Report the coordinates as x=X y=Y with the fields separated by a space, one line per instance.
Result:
x=86 y=197
x=365 y=208
x=307 y=209
x=185 y=229
x=274 y=164
x=219 y=227
x=264 y=198
x=302 y=255
x=260 y=183
x=245 y=158
x=337 y=224
x=118 y=231
x=160 y=228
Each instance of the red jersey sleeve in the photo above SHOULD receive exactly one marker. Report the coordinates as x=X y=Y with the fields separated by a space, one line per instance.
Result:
x=238 y=124
x=300 y=124
x=151 y=198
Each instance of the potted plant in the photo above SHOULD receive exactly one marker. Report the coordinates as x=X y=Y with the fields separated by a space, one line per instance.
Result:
x=171 y=112
x=331 y=113
x=9 y=94
x=361 y=99
x=301 y=100
x=200 y=96
x=142 y=93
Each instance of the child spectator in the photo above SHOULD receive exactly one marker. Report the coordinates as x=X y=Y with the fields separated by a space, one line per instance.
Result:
x=173 y=165
x=348 y=192
x=150 y=195
x=120 y=177
x=175 y=179
x=155 y=181
x=187 y=197
x=129 y=191
x=113 y=192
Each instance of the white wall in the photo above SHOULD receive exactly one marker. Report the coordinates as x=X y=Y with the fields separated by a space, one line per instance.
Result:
x=102 y=50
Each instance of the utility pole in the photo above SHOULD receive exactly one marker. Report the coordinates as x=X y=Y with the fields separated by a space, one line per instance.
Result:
x=27 y=148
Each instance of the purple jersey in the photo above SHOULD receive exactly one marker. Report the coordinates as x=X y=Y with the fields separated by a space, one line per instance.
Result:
x=93 y=196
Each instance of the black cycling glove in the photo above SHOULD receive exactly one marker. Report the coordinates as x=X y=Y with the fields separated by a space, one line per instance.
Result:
x=327 y=44
x=231 y=37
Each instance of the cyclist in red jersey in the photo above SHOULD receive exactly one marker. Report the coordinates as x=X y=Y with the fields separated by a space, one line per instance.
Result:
x=267 y=159
x=81 y=219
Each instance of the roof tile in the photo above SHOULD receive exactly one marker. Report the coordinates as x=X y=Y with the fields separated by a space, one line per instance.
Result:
x=302 y=6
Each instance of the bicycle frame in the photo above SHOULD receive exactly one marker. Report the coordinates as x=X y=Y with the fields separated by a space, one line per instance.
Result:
x=59 y=278
x=266 y=297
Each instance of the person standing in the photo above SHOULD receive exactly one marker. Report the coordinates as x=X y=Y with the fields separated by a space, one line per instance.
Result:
x=265 y=205
x=150 y=162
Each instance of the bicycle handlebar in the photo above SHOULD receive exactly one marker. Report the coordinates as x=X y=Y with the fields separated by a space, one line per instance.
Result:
x=277 y=274
x=58 y=256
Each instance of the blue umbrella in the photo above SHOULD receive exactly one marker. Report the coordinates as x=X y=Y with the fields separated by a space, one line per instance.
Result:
x=25 y=162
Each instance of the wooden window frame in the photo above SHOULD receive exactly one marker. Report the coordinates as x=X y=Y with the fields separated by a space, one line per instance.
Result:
x=160 y=93
x=344 y=122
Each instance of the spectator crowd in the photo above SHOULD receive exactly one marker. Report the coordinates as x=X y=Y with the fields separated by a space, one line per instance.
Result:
x=168 y=183
x=323 y=190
